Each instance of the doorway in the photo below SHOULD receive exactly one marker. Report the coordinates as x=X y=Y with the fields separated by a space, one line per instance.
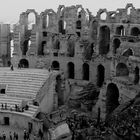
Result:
x=6 y=121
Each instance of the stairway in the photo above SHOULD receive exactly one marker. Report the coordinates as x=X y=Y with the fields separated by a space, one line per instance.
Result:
x=22 y=84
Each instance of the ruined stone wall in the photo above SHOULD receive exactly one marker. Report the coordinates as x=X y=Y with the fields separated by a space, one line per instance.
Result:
x=83 y=46
x=5 y=38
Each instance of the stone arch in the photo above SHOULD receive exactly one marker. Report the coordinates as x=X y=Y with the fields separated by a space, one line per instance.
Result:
x=103 y=16
x=24 y=63
x=129 y=7
x=135 y=31
x=79 y=12
x=122 y=70
x=120 y=30
x=31 y=20
x=55 y=65
x=71 y=70
x=112 y=96
x=85 y=71
x=78 y=24
x=136 y=75
x=128 y=52
x=45 y=21
x=100 y=75
x=104 y=40
x=62 y=26
x=116 y=45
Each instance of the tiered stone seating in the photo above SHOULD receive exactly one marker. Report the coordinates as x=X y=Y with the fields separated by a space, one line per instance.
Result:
x=22 y=84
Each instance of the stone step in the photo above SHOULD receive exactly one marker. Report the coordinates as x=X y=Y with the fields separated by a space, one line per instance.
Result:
x=18 y=95
x=22 y=90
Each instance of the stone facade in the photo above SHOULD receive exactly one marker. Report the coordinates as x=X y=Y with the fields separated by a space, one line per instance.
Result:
x=5 y=38
x=103 y=49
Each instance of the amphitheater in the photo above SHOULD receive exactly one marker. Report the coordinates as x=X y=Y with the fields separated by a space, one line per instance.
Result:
x=68 y=55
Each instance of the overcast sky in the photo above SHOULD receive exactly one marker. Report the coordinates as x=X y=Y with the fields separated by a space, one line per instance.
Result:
x=10 y=9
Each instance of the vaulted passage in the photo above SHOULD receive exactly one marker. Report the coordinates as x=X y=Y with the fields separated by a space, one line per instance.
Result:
x=56 y=47
x=71 y=70
x=136 y=75
x=62 y=26
x=120 y=31
x=85 y=71
x=116 y=45
x=104 y=40
x=135 y=31
x=100 y=75
x=122 y=70
x=112 y=96
x=128 y=52
x=55 y=65
x=24 y=63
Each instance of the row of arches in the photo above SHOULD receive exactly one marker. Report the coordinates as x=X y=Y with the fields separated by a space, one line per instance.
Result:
x=71 y=69
x=104 y=40
x=85 y=71
x=103 y=14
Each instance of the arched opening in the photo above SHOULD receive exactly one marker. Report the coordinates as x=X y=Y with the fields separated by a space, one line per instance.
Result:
x=103 y=16
x=56 y=47
x=100 y=75
x=135 y=31
x=122 y=70
x=71 y=70
x=116 y=45
x=58 y=90
x=85 y=71
x=112 y=96
x=136 y=75
x=71 y=48
x=128 y=52
x=45 y=21
x=129 y=10
x=120 y=31
x=2 y=91
x=104 y=40
x=79 y=12
x=24 y=63
x=112 y=15
x=41 y=48
x=31 y=20
x=55 y=65
x=62 y=26
x=12 y=47
x=78 y=24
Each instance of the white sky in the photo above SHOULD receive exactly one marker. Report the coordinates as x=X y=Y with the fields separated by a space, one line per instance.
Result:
x=11 y=9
